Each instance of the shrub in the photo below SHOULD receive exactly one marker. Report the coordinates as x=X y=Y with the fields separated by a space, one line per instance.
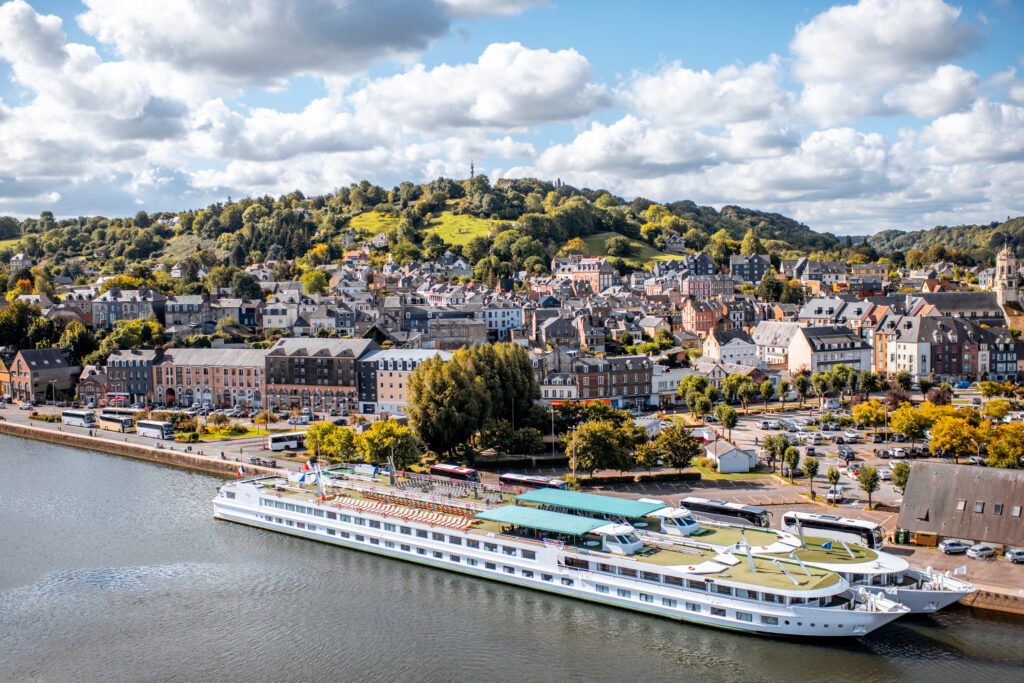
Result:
x=708 y=464
x=187 y=437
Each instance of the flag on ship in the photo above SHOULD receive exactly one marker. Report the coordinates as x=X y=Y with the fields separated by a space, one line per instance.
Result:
x=827 y=545
x=308 y=466
x=241 y=471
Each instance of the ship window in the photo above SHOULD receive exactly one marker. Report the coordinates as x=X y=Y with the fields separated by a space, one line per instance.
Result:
x=389 y=527
x=724 y=590
x=746 y=594
x=623 y=593
x=471 y=562
x=330 y=532
x=332 y=515
x=774 y=621
x=344 y=534
x=405 y=547
x=644 y=597
x=406 y=530
x=576 y=563
x=771 y=597
x=454 y=558
x=528 y=554
x=491 y=547
x=374 y=524
x=472 y=544
x=546 y=577
x=744 y=616
x=651 y=576
x=528 y=573
x=374 y=541
x=566 y=582
x=717 y=612
x=421 y=533
x=508 y=551
x=437 y=537
x=601 y=589
x=673 y=581
x=698 y=585
x=389 y=544
x=624 y=571
x=345 y=518
x=606 y=568
x=438 y=554
x=360 y=538
x=289 y=507
x=668 y=602
x=359 y=520
x=318 y=513
x=421 y=551
x=692 y=607
x=508 y=570
x=301 y=525
x=230 y=495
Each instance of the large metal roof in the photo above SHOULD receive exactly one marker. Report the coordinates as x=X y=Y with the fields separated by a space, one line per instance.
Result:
x=590 y=502
x=545 y=520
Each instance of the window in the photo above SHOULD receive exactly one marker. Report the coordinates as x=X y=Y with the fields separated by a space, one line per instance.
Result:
x=508 y=551
x=566 y=582
x=546 y=577
x=576 y=563
x=421 y=551
x=389 y=544
x=673 y=580
x=774 y=621
x=330 y=532
x=472 y=544
x=997 y=509
x=717 y=612
x=389 y=527
x=668 y=602
x=979 y=507
x=491 y=547
x=961 y=505
x=623 y=593
x=724 y=590
x=471 y=562
x=508 y=570
x=625 y=571
x=651 y=576
x=455 y=540
x=743 y=616
x=374 y=524
x=746 y=594
x=490 y=565
x=331 y=515
x=421 y=533
x=601 y=589
x=1015 y=511
x=771 y=597
x=528 y=573
x=360 y=538
x=344 y=534
x=697 y=585
x=407 y=530
x=644 y=597
x=692 y=607
x=528 y=554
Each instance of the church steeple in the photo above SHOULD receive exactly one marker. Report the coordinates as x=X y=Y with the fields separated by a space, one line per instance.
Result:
x=1006 y=286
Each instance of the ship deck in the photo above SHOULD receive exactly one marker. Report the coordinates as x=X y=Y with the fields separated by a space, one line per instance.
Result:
x=726 y=536
x=376 y=495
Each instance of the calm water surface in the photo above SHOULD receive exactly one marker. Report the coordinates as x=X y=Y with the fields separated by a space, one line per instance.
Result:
x=115 y=570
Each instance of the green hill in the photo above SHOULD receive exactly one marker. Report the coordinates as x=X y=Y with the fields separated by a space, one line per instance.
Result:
x=979 y=242
x=641 y=252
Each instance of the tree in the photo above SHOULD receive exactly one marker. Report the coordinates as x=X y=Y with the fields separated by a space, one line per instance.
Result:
x=751 y=244
x=496 y=434
x=993 y=410
x=527 y=440
x=870 y=413
x=314 y=282
x=218 y=419
x=618 y=246
x=318 y=436
x=770 y=287
x=909 y=421
x=868 y=480
x=783 y=390
x=953 y=437
x=728 y=416
x=832 y=477
x=774 y=449
x=767 y=392
x=385 y=437
x=646 y=456
x=745 y=394
x=900 y=475
x=678 y=449
x=264 y=417
x=925 y=384
x=77 y=341
x=1007 y=450
x=593 y=445
x=245 y=286
x=699 y=405
x=903 y=380
x=791 y=457
x=811 y=470
x=802 y=385
x=625 y=339
x=990 y=389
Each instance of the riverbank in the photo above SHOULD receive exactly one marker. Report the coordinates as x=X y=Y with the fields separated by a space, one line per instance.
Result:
x=200 y=459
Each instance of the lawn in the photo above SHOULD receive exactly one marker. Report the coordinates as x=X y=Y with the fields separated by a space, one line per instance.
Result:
x=178 y=248
x=9 y=243
x=248 y=434
x=373 y=222
x=712 y=475
x=642 y=252
x=452 y=228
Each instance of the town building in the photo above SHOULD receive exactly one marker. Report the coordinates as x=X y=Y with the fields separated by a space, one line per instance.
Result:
x=383 y=380
x=219 y=378
x=623 y=381
x=127 y=304
x=748 y=268
x=731 y=346
x=819 y=349
x=38 y=375
x=130 y=371
x=314 y=373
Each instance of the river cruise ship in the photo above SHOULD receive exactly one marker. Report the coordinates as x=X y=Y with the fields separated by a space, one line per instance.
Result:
x=476 y=530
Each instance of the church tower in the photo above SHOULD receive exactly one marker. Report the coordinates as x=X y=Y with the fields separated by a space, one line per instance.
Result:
x=1006 y=278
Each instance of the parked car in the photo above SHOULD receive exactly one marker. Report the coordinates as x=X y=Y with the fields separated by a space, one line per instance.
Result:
x=834 y=495
x=846 y=453
x=953 y=547
x=897 y=436
x=764 y=424
x=975 y=401
x=850 y=436
x=877 y=437
x=810 y=452
x=899 y=452
x=1015 y=555
x=25 y=406
x=980 y=551
x=976 y=460
x=883 y=453
x=885 y=475
x=963 y=384
x=892 y=463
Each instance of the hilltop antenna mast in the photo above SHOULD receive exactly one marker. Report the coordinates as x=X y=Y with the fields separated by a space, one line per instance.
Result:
x=472 y=169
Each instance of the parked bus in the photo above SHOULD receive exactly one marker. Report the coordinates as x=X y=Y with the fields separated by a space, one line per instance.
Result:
x=857 y=531
x=289 y=441
x=531 y=481
x=730 y=513
x=154 y=429
x=78 y=418
x=116 y=423
x=120 y=412
x=115 y=399
x=443 y=469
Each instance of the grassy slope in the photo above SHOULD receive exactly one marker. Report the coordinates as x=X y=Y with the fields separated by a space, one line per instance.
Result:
x=454 y=229
x=177 y=248
x=642 y=252
x=8 y=243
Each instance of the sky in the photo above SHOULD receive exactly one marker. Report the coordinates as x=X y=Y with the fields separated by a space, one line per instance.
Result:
x=852 y=118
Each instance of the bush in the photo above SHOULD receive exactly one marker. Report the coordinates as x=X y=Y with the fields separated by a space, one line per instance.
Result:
x=709 y=464
x=43 y=417
x=187 y=437
x=527 y=441
x=613 y=479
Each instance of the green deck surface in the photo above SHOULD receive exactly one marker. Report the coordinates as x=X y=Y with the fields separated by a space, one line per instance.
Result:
x=767 y=576
x=545 y=520
x=590 y=502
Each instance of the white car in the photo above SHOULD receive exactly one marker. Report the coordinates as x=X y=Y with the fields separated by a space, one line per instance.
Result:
x=885 y=475
x=850 y=436
x=892 y=463
x=834 y=495
x=980 y=551
x=899 y=452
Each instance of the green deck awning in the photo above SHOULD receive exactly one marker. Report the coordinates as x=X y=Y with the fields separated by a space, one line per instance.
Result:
x=545 y=520
x=590 y=502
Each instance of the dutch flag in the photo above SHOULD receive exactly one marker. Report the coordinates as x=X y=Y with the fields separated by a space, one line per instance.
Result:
x=241 y=471
x=308 y=466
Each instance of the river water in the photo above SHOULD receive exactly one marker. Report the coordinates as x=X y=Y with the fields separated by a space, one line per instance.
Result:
x=115 y=570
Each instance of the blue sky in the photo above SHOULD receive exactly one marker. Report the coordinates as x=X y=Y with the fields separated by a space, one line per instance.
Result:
x=852 y=117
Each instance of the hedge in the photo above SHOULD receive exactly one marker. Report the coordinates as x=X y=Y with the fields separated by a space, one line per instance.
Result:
x=638 y=477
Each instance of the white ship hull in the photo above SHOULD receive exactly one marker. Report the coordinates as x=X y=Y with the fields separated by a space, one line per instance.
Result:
x=925 y=600
x=547 y=571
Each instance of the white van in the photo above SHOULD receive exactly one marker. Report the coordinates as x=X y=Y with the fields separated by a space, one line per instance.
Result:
x=299 y=419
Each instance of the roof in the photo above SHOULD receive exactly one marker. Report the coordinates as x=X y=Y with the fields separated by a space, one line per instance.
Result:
x=934 y=492
x=545 y=520
x=216 y=357
x=590 y=502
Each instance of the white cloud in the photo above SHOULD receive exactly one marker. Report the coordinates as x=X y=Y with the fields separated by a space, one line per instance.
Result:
x=479 y=8
x=990 y=132
x=731 y=94
x=262 y=42
x=850 y=56
x=510 y=86
x=951 y=88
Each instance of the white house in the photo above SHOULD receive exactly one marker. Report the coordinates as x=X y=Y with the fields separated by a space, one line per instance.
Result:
x=731 y=346
x=773 y=339
x=730 y=459
x=819 y=349
x=20 y=260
